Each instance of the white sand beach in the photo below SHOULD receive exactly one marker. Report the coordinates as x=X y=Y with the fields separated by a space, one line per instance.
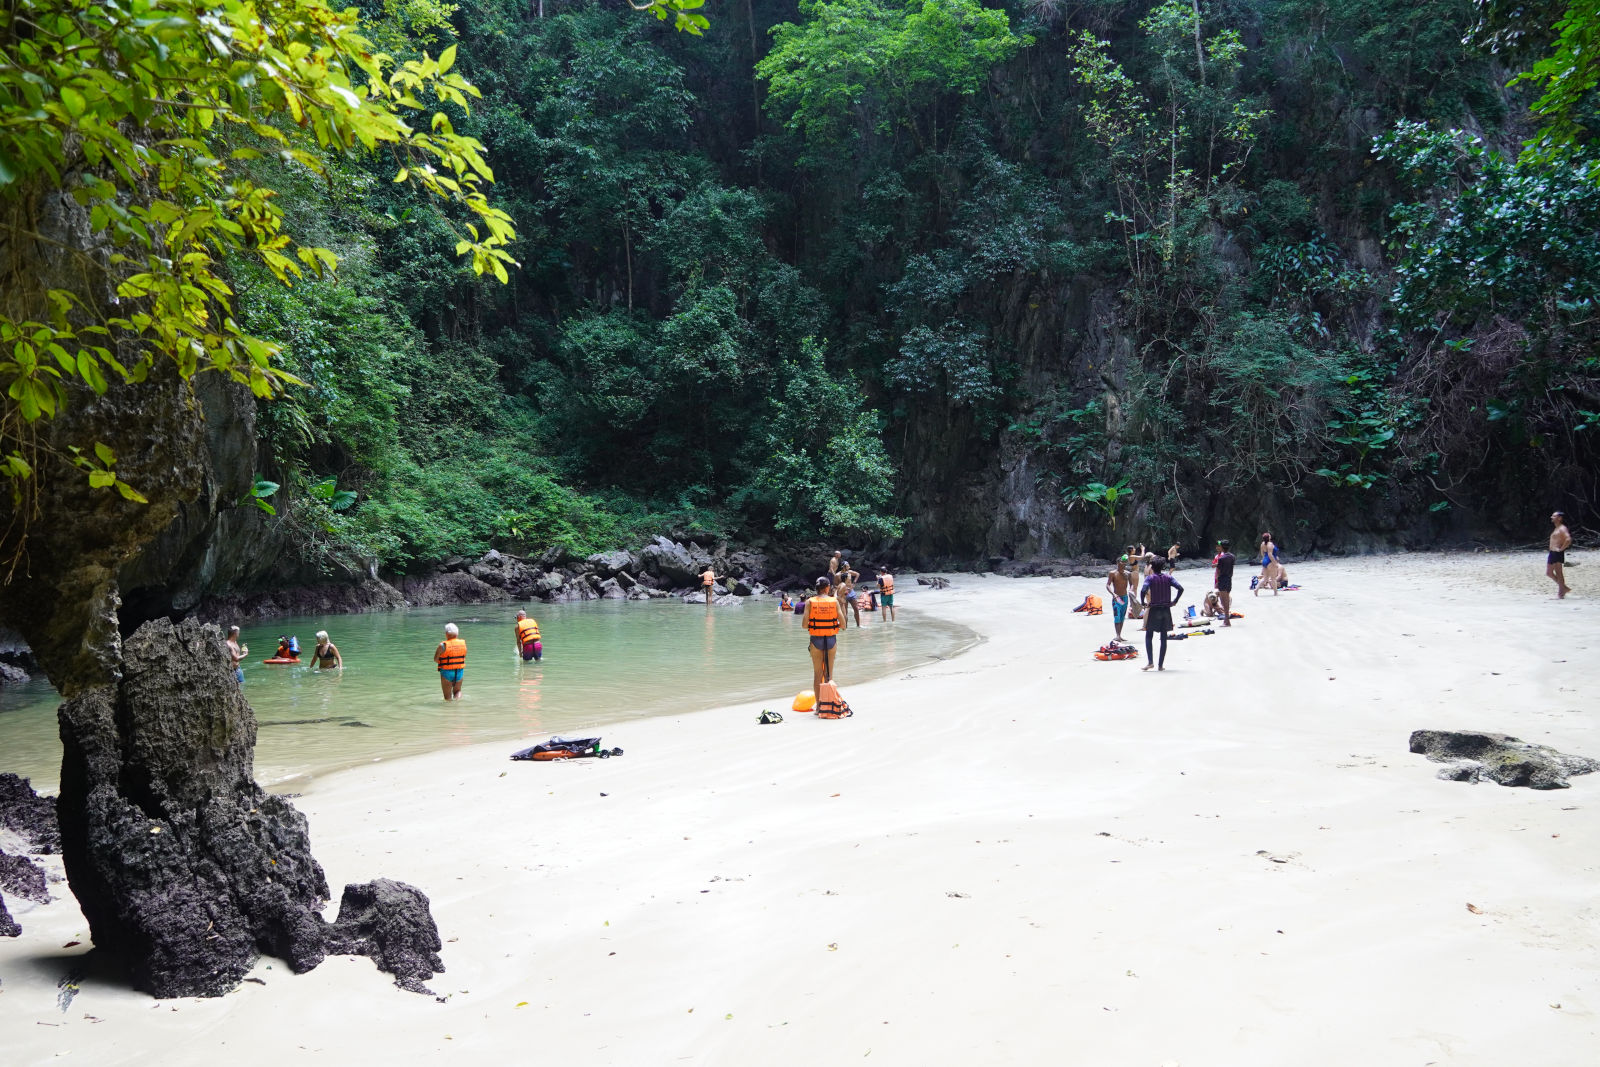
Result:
x=1018 y=856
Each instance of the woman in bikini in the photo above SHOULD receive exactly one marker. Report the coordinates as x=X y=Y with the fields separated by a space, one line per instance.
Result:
x=325 y=657
x=1270 y=567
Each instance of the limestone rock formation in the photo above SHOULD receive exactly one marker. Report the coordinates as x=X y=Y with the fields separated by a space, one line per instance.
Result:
x=389 y=921
x=28 y=815
x=21 y=877
x=1472 y=756
x=8 y=925
x=670 y=562
x=181 y=863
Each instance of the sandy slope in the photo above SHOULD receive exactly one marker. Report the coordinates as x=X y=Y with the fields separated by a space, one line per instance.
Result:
x=1017 y=856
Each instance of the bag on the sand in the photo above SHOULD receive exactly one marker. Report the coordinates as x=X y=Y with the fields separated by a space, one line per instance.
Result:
x=566 y=748
x=768 y=717
x=1117 y=650
x=830 y=702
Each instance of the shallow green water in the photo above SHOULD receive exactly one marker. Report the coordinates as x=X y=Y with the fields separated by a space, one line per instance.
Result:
x=605 y=662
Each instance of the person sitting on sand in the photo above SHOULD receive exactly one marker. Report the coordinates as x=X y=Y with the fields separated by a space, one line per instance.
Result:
x=530 y=645
x=1212 y=609
x=1161 y=593
x=451 y=658
x=824 y=619
x=1117 y=585
x=886 y=593
x=1555 y=561
x=325 y=657
x=236 y=652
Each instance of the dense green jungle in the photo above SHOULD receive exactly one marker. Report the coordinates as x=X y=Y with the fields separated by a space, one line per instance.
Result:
x=942 y=278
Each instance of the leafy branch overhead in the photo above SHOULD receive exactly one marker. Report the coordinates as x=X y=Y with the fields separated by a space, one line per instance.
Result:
x=140 y=111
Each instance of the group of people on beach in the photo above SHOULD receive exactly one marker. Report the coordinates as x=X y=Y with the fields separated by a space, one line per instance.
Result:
x=827 y=612
x=1142 y=586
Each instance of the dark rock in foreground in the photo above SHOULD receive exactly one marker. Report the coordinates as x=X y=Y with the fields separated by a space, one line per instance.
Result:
x=21 y=877
x=182 y=864
x=1473 y=756
x=8 y=925
x=26 y=813
x=390 y=922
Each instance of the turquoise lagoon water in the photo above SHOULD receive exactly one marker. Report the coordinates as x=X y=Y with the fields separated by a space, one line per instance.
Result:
x=605 y=662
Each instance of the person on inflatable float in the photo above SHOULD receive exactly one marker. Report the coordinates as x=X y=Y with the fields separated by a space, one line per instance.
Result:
x=823 y=620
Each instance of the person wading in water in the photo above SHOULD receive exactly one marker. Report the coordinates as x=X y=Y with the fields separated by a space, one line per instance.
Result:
x=451 y=658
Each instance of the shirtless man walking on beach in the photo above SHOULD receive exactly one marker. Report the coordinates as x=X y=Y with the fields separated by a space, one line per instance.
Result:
x=1117 y=586
x=1223 y=581
x=1555 y=562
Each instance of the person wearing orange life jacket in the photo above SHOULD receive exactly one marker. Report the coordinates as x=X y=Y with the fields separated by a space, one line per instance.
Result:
x=885 y=594
x=451 y=658
x=708 y=579
x=528 y=642
x=823 y=620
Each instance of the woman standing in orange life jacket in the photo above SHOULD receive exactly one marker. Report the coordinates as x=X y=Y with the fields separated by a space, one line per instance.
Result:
x=823 y=620
x=451 y=658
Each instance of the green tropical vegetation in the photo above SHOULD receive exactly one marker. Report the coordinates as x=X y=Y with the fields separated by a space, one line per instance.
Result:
x=524 y=274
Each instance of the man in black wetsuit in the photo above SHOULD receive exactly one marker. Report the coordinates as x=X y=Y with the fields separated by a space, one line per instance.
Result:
x=1224 y=581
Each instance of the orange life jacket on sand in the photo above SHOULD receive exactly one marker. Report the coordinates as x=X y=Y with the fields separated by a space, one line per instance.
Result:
x=452 y=654
x=822 y=616
x=527 y=630
x=1091 y=605
x=831 y=704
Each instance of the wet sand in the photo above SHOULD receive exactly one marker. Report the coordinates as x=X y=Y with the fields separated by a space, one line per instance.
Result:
x=1020 y=855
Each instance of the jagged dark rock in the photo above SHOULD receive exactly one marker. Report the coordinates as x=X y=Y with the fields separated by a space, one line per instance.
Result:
x=8 y=925
x=671 y=562
x=516 y=578
x=182 y=864
x=1475 y=755
x=390 y=922
x=30 y=816
x=329 y=598
x=612 y=564
x=21 y=877
x=457 y=587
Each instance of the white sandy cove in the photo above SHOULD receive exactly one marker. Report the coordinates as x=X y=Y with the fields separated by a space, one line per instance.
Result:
x=1019 y=856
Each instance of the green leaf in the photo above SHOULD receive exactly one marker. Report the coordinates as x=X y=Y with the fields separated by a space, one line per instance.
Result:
x=101 y=479
x=73 y=101
x=108 y=457
x=447 y=59
x=264 y=488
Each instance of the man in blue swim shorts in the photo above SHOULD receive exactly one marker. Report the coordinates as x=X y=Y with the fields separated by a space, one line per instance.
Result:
x=1117 y=586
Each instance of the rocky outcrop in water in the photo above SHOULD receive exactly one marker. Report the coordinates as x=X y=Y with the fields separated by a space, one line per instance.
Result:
x=1473 y=756
x=182 y=864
